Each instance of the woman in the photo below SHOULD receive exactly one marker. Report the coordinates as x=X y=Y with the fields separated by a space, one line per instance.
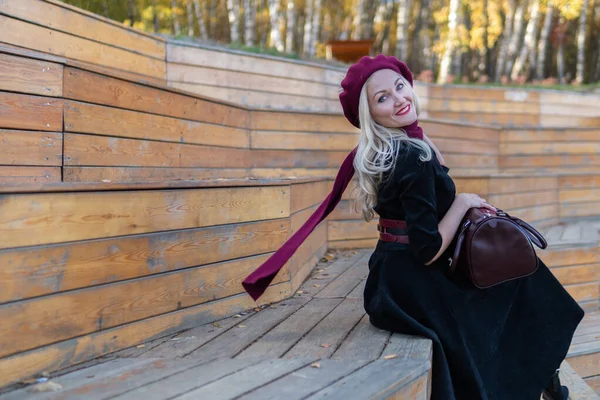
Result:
x=505 y=342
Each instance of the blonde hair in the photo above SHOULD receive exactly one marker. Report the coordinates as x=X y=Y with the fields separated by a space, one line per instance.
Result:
x=377 y=152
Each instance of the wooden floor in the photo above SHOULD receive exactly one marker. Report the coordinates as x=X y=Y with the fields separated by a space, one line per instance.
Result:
x=318 y=344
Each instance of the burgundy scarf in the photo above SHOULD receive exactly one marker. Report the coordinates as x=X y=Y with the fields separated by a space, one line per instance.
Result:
x=258 y=281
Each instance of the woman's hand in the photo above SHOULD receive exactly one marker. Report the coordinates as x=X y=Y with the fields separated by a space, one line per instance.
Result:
x=469 y=200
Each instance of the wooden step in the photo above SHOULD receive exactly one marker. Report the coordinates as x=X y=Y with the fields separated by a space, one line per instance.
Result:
x=584 y=353
x=578 y=387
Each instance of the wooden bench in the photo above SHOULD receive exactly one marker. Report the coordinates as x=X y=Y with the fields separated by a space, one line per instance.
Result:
x=318 y=344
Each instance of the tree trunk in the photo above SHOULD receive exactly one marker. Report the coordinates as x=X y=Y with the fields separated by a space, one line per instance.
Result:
x=579 y=77
x=380 y=17
x=275 y=34
x=528 y=49
x=367 y=17
x=176 y=26
x=404 y=7
x=508 y=27
x=560 y=56
x=540 y=71
x=131 y=11
x=597 y=15
x=389 y=12
x=154 y=16
x=515 y=40
x=291 y=26
x=190 y=16
x=249 y=21
x=450 y=41
x=484 y=62
x=314 y=37
x=200 y=19
x=307 y=43
x=105 y=8
x=425 y=35
x=347 y=28
x=358 y=18
x=233 y=10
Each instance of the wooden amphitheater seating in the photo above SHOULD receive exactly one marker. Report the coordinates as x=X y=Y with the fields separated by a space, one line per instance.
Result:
x=132 y=209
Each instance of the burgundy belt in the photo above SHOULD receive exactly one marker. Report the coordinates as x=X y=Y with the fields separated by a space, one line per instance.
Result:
x=385 y=236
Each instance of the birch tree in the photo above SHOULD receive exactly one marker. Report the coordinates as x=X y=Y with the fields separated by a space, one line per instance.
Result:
x=249 y=21
x=358 y=18
x=543 y=43
x=316 y=18
x=507 y=36
x=176 y=26
x=528 y=49
x=450 y=41
x=307 y=42
x=200 y=18
x=515 y=40
x=579 y=77
x=291 y=26
x=404 y=7
x=131 y=11
x=190 y=17
x=275 y=34
x=233 y=11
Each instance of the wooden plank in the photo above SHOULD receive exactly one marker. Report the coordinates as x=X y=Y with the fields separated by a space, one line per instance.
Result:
x=297 y=121
x=579 y=195
x=81 y=377
x=265 y=81
x=584 y=291
x=246 y=380
x=302 y=140
x=315 y=242
x=26 y=75
x=518 y=149
x=308 y=380
x=479 y=162
x=324 y=338
x=347 y=280
x=222 y=59
x=353 y=229
x=296 y=159
x=572 y=210
x=130 y=76
x=293 y=173
x=557 y=257
x=586 y=365
x=98 y=308
x=127 y=95
x=29 y=272
x=20 y=111
x=418 y=389
x=23 y=175
x=281 y=338
x=578 y=388
x=149 y=174
x=549 y=160
x=83 y=150
x=504 y=185
x=77 y=22
x=301 y=272
x=79 y=216
x=6 y=48
x=76 y=350
x=484 y=94
x=184 y=343
x=579 y=182
x=41 y=38
x=505 y=119
x=89 y=118
x=456 y=130
x=123 y=381
x=466 y=146
x=500 y=107
x=375 y=381
x=305 y=195
x=408 y=347
x=345 y=210
x=549 y=135
x=30 y=148
x=189 y=379
x=577 y=274
x=365 y=342
x=353 y=244
x=521 y=200
x=237 y=339
x=537 y=213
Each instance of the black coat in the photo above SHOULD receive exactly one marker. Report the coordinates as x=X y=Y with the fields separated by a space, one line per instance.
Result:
x=504 y=342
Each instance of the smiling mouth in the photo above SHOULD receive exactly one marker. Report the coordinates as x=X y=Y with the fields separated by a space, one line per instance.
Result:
x=404 y=110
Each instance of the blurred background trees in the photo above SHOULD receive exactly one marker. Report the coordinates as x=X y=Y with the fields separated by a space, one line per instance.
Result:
x=508 y=41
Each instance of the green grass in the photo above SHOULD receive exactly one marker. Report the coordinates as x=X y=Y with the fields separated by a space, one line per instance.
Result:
x=260 y=50
x=584 y=88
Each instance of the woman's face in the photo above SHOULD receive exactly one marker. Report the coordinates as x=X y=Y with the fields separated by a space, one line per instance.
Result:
x=391 y=101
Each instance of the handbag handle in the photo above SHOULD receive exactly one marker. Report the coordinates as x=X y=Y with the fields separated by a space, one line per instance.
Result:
x=459 y=242
x=535 y=237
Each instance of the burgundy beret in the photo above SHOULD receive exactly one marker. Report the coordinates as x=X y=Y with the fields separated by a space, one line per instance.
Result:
x=358 y=74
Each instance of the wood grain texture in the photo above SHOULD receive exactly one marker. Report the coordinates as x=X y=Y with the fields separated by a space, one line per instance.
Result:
x=42 y=270
x=60 y=217
x=302 y=140
x=296 y=121
x=127 y=95
x=78 y=22
x=30 y=148
x=507 y=119
x=353 y=229
x=77 y=350
x=29 y=324
x=484 y=94
x=306 y=195
x=25 y=75
x=19 y=175
x=149 y=174
x=20 y=111
x=41 y=38
x=108 y=121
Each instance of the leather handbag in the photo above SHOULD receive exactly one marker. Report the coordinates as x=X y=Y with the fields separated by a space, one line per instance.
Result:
x=494 y=247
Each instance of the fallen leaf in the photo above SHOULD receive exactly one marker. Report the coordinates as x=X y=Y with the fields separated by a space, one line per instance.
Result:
x=325 y=345
x=316 y=365
x=257 y=309
x=45 y=387
x=389 y=357
x=300 y=291
x=175 y=339
x=46 y=374
x=237 y=316
x=106 y=180
x=272 y=306
x=28 y=381
x=241 y=326
x=317 y=286
x=140 y=346
x=216 y=325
